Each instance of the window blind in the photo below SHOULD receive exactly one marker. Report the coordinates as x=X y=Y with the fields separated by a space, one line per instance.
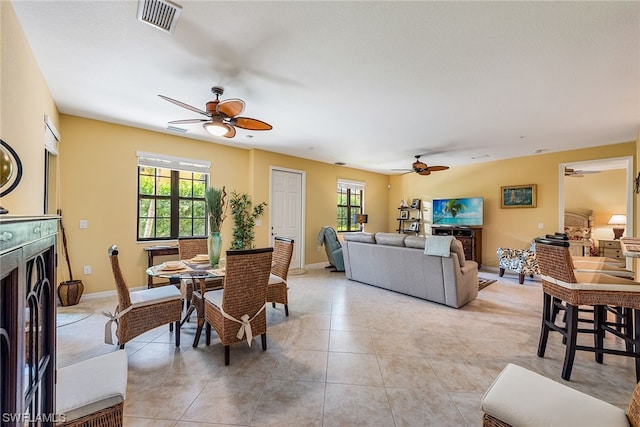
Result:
x=351 y=185
x=172 y=162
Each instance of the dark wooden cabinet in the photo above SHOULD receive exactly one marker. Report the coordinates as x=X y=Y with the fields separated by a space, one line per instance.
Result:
x=27 y=320
x=471 y=238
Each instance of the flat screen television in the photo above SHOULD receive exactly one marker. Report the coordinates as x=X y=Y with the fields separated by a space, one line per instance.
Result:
x=462 y=211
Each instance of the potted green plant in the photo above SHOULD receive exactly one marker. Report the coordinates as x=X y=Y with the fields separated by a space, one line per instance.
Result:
x=244 y=219
x=216 y=205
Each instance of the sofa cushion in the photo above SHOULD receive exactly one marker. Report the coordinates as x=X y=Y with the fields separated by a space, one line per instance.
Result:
x=390 y=239
x=360 y=237
x=456 y=248
x=415 y=242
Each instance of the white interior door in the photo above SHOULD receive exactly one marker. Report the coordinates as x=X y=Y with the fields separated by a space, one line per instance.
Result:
x=287 y=210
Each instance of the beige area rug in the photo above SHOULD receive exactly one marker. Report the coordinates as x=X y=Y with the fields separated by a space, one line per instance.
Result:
x=297 y=272
x=71 y=314
x=483 y=283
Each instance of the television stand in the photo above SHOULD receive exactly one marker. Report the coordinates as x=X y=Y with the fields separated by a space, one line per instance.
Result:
x=470 y=237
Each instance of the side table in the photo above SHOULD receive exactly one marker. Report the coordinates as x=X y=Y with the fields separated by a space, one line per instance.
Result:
x=611 y=249
x=154 y=251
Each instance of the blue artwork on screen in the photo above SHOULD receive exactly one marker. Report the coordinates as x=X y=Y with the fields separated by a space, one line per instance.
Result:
x=461 y=212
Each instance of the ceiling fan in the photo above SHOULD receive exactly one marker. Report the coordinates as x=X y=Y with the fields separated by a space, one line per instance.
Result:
x=421 y=168
x=577 y=173
x=222 y=116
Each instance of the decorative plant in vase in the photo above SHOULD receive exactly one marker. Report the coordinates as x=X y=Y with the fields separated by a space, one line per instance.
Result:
x=245 y=220
x=216 y=205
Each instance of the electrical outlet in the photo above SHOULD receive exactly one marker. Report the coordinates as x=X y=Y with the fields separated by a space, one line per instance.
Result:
x=258 y=223
x=540 y=225
x=87 y=269
x=84 y=224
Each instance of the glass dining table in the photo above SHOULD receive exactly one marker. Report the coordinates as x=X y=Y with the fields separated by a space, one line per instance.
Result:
x=193 y=279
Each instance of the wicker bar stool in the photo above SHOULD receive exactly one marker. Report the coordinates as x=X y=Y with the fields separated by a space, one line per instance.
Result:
x=277 y=291
x=565 y=289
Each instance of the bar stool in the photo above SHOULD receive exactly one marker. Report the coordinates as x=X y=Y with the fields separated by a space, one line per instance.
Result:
x=565 y=289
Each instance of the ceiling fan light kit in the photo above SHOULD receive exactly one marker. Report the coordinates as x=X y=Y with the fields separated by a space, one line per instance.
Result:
x=222 y=115
x=216 y=129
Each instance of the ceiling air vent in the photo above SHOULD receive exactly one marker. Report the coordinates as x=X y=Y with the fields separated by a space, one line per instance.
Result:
x=161 y=14
x=176 y=129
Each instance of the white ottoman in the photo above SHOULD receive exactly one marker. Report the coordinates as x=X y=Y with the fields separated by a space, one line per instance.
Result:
x=522 y=398
x=92 y=391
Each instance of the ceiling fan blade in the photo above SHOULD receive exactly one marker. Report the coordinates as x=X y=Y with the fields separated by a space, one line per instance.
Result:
x=231 y=132
x=437 y=168
x=251 y=124
x=187 y=121
x=230 y=107
x=183 y=105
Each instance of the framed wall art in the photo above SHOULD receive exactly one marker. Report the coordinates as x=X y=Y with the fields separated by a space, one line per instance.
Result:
x=404 y=214
x=518 y=196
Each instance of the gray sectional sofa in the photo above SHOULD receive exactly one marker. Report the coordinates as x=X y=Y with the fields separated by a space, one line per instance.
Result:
x=398 y=262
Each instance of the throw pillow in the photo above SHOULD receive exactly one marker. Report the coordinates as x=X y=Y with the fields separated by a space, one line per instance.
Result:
x=577 y=233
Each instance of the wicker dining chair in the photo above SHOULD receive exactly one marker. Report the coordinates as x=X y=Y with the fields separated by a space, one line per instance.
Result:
x=91 y=393
x=189 y=247
x=238 y=311
x=520 y=397
x=566 y=290
x=140 y=311
x=277 y=291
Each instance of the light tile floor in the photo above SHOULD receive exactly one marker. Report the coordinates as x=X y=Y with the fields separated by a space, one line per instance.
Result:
x=349 y=354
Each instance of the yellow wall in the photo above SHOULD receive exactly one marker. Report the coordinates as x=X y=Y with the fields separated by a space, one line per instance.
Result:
x=322 y=179
x=514 y=227
x=98 y=184
x=24 y=101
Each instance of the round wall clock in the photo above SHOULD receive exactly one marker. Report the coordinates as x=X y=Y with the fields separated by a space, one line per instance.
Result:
x=10 y=169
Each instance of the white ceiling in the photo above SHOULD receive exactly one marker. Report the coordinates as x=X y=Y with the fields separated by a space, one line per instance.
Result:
x=370 y=84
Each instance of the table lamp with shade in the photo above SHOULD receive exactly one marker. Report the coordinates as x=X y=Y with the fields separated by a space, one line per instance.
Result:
x=618 y=221
x=360 y=219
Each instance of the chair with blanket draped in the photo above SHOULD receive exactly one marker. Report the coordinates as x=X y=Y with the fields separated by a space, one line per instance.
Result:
x=522 y=261
x=329 y=238
x=238 y=311
x=277 y=291
x=140 y=311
